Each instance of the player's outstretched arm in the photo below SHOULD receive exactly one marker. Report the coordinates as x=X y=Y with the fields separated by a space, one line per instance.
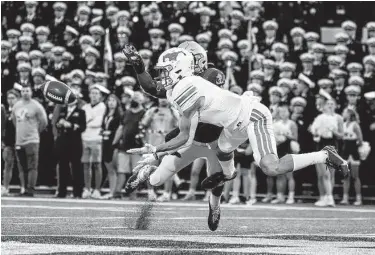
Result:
x=144 y=78
x=188 y=125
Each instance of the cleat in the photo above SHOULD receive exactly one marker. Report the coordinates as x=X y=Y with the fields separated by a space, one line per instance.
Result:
x=138 y=178
x=213 y=217
x=330 y=201
x=335 y=161
x=216 y=180
x=321 y=202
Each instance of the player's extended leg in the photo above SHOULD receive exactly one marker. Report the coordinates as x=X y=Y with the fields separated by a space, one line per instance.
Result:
x=262 y=139
x=169 y=165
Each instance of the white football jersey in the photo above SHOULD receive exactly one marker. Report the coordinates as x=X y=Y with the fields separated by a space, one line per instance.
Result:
x=221 y=107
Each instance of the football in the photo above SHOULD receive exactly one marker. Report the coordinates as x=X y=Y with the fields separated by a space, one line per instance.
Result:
x=58 y=92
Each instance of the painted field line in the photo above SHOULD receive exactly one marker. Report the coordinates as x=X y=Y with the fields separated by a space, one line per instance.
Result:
x=264 y=235
x=109 y=209
x=307 y=207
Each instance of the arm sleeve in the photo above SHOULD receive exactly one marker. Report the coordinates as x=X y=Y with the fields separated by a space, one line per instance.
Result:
x=149 y=85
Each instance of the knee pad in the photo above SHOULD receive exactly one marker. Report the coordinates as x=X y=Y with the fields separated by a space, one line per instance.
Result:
x=217 y=191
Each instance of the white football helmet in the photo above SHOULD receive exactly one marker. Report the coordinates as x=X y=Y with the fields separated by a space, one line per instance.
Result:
x=173 y=65
x=200 y=55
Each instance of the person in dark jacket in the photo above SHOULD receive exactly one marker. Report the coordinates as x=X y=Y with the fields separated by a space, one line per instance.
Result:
x=111 y=122
x=8 y=138
x=70 y=124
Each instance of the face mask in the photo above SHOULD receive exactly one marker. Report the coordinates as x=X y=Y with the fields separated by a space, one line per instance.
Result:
x=134 y=104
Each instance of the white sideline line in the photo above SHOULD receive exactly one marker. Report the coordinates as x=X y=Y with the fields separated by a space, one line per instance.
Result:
x=109 y=209
x=198 y=236
x=308 y=207
x=196 y=218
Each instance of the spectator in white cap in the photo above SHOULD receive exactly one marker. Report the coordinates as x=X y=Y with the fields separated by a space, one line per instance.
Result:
x=175 y=31
x=85 y=41
x=31 y=15
x=270 y=28
x=354 y=69
x=320 y=65
x=101 y=79
x=111 y=14
x=369 y=72
x=256 y=89
x=46 y=49
x=287 y=70
x=42 y=33
x=279 y=51
x=83 y=22
x=156 y=45
x=238 y=26
x=97 y=32
x=353 y=93
x=275 y=96
x=298 y=47
x=311 y=38
x=67 y=59
x=36 y=57
x=91 y=57
x=204 y=40
x=27 y=29
x=326 y=84
x=123 y=34
x=21 y=57
x=24 y=71
x=370 y=26
x=146 y=56
x=26 y=43
x=123 y=18
x=39 y=75
x=13 y=37
x=58 y=68
x=59 y=23
x=71 y=42
x=205 y=14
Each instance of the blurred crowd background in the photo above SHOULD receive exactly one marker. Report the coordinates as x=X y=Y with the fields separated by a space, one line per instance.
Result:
x=312 y=63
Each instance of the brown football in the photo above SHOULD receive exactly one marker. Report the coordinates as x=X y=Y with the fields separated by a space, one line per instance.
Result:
x=58 y=92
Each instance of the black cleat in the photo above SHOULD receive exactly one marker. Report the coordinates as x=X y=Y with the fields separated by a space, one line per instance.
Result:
x=216 y=180
x=335 y=161
x=213 y=217
x=138 y=178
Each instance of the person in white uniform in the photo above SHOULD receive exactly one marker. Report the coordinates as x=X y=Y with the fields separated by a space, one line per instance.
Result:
x=242 y=117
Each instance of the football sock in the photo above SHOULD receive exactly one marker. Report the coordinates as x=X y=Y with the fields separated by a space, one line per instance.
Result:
x=228 y=167
x=303 y=160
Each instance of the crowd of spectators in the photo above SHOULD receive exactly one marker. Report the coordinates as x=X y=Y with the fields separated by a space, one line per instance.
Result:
x=276 y=49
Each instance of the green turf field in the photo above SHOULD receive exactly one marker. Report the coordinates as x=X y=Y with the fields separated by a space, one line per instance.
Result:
x=61 y=226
